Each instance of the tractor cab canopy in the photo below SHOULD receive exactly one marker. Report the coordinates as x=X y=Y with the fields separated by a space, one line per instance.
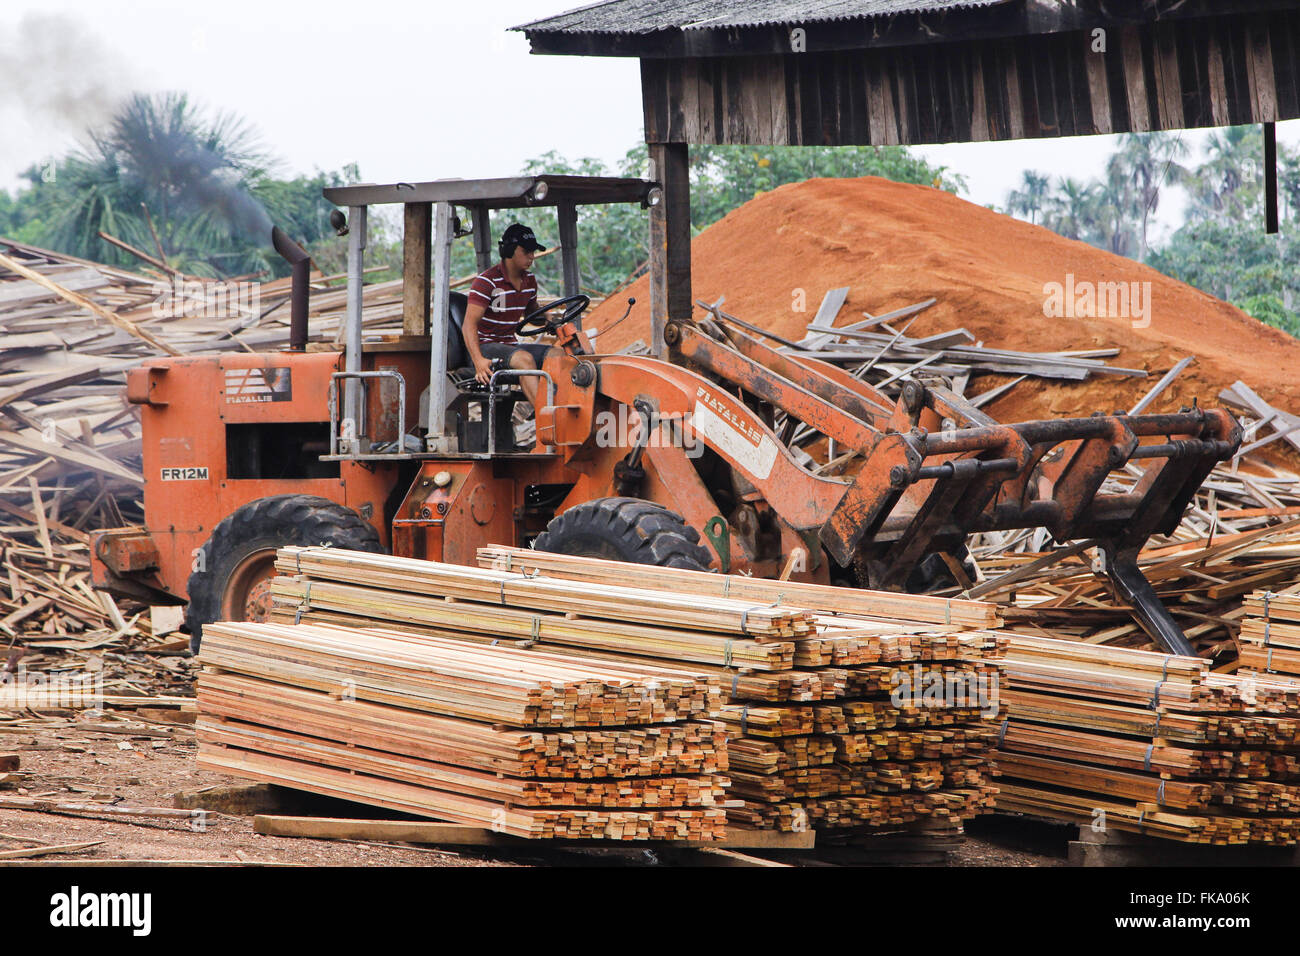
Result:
x=430 y=223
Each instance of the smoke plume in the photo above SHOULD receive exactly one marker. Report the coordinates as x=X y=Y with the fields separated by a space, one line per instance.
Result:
x=56 y=73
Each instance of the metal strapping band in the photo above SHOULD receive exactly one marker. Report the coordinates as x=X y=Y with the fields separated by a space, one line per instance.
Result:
x=1268 y=661
x=503 y=591
x=744 y=615
x=1155 y=696
x=1267 y=622
x=726 y=653
x=304 y=604
x=1002 y=731
x=735 y=683
x=947 y=611
x=509 y=561
x=1146 y=761
x=726 y=585
x=297 y=555
x=1160 y=793
x=1156 y=732
x=1164 y=668
x=744 y=719
x=1142 y=818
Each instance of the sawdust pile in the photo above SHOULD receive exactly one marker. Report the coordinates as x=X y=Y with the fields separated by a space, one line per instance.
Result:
x=895 y=245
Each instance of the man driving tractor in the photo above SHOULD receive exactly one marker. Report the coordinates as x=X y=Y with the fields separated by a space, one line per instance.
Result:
x=498 y=298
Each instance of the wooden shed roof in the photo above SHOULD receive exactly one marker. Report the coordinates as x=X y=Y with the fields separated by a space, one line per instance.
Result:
x=652 y=16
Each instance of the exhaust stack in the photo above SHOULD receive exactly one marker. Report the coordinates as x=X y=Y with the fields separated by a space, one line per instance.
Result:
x=297 y=257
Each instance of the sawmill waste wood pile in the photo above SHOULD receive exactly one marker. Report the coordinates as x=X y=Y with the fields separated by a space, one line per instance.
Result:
x=1149 y=743
x=844 y=710
x=524 y=743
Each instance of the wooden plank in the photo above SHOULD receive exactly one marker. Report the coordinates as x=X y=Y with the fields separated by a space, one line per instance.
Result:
x=417 y=258
x=883 y=604
x=455 y=834
x=37 y=851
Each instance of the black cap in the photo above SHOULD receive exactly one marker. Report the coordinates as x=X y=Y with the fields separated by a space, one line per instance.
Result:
x=520 y=235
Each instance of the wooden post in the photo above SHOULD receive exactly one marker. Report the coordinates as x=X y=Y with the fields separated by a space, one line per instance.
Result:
x=670 y=241
x=484 y=254
x=568 y=219
x=416 y=233
x=1270 y=178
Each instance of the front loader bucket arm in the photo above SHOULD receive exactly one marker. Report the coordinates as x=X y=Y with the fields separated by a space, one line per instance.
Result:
x=723 y=424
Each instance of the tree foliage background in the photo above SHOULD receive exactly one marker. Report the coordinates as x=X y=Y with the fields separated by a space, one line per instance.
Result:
x=199 y=189
x=1219 y=247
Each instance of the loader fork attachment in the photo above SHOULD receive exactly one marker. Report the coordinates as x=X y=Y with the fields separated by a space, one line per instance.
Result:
x=1131 y=584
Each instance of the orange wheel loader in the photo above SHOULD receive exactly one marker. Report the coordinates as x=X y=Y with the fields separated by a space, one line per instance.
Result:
x=391 y=445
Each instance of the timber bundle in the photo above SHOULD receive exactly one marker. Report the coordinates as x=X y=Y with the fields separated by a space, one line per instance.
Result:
x=1270 y=633
x=1149 y=743
x=527 y=743
x=843 y=709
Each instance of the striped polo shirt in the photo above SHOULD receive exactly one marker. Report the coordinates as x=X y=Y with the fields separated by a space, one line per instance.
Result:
x=504 y=304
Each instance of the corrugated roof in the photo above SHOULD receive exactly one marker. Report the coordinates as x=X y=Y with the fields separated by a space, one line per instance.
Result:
x=651 y=16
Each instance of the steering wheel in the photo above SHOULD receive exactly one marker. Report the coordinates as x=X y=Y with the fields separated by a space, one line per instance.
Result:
x=576 y=305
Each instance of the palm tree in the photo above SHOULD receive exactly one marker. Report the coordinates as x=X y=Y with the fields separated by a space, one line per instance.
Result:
x=1072 y=210
x=1149 y=159
x=1226 y=185
x=1115 y=204
x=1029 y=198
x=197 y=176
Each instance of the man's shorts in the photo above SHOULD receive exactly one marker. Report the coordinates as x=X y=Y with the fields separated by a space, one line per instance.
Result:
x=503 y=350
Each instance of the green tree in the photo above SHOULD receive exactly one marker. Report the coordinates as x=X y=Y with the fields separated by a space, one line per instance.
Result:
x=1227 y=185
x=1072 y=209
x=1149 y=160
x=204 y=180
x=1030 y=198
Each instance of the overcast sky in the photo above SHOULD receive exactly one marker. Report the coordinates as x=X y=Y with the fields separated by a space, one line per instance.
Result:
x=407 y=89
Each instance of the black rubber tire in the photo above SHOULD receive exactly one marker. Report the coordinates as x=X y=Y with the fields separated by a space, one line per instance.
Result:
x=626 y=529
x=269 y=523
x=933 y=573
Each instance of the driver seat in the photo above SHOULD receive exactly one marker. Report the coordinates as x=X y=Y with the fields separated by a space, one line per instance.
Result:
x=457 y=354
x=459 y=368
x=471 y=405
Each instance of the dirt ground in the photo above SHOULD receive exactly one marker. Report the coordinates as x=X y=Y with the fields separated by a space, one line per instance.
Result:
x=144 y=763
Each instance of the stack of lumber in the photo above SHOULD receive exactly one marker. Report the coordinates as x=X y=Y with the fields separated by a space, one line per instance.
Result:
x=1270 y=633
x=808 y=671
x=527 y=743
x=1149 y=743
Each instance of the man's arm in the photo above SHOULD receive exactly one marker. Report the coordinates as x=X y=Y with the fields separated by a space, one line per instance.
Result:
x=469 y=330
